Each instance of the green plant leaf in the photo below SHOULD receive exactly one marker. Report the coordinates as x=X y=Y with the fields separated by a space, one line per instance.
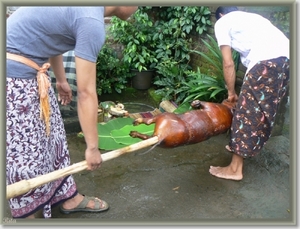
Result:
x=115 y=133
x=217 y=91
x=182 y=108
x=122 y=136
x=105 y=140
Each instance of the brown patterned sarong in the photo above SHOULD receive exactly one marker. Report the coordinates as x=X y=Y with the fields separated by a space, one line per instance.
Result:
x=43 y=85
x=30 y=152
x=263 y=88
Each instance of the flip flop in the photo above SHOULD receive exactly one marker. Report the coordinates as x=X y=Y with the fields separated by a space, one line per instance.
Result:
x=82 y=206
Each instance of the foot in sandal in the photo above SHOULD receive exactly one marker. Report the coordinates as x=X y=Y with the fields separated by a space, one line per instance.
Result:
x=82 y=203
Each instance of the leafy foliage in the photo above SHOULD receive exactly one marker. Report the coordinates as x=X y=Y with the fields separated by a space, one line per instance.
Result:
x=112 y=73
x=173 y=25
x=156 y=34
x=183 y=85
x=136 y=35
x=204 y=87
x=214 y=57
x=193 y=85
x=169 y=80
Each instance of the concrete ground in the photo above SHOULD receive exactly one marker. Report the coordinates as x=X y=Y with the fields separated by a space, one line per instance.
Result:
x=173 y=186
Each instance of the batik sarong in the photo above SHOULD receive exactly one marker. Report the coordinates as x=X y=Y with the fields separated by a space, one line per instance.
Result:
x=263 y=88
x=30 y=152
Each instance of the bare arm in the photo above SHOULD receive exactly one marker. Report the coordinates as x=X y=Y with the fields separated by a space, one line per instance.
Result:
x=63 y=87
x=122 y=12
x=229 y=72
x=58 y=68
x=88 y=109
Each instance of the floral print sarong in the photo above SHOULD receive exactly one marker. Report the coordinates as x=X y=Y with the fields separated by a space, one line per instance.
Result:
x=263 y=88
x=30 y=152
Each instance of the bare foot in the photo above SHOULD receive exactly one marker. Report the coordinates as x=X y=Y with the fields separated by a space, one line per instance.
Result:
x=228 y=148
x=74 y=202
x=234 y=171
x=30 y=217
x=225 y=173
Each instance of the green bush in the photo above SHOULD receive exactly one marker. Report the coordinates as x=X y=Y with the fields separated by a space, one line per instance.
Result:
x=112 y=72
x=136 y=36
x=156 y=34
x=181 y=84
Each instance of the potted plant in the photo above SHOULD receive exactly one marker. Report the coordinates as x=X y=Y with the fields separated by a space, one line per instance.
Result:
x=136 y=36
x=155 y=35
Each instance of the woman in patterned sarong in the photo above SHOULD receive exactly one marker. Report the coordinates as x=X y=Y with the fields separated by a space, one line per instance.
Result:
x=36 y=140
x=264 y=50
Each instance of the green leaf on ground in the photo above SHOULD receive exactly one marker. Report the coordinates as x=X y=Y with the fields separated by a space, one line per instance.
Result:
x=105 y=140
x=115 y=133
x=122 y=135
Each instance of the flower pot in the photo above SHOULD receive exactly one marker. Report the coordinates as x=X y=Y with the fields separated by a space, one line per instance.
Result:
x=142 y=80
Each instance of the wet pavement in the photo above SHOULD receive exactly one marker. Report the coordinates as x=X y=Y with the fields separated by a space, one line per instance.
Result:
x=173 y=186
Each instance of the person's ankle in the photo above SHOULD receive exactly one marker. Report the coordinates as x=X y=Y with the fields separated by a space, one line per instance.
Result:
x=30 y=217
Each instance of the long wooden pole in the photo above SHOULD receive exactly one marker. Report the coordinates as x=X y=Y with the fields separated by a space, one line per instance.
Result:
x=24 y=186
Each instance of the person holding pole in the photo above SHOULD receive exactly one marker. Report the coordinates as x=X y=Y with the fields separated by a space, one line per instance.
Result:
x=264 y=51
x=35 y=136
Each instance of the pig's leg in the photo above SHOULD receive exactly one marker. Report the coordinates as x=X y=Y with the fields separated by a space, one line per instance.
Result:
x=146 y=121
x=136 y=134
x=138 y=121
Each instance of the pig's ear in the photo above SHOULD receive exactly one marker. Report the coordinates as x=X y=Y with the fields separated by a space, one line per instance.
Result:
x=196 y=104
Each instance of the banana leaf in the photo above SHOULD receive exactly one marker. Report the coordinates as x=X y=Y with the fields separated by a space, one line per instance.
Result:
x=115 y=133
x=122 y=136
x=105 y=140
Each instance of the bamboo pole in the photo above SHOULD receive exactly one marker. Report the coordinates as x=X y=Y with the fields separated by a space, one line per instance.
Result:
x=24 y=186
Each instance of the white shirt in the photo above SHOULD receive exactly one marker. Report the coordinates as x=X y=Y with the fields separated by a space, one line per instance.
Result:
x=253 y=36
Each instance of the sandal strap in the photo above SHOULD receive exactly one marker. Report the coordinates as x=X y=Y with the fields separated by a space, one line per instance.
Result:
x=86 y=200
x=83 y=203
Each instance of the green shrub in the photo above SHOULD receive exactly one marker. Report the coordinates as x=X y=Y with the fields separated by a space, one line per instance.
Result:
x=112 y=73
